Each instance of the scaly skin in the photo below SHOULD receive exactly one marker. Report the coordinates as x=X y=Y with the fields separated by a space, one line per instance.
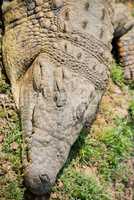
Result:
x=126 y=52
x=56 y=54
x=124 y=36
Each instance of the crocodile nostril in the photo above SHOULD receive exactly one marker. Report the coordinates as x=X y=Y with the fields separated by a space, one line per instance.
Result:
x=46 y=182
x=44 y=178
x=38 y=184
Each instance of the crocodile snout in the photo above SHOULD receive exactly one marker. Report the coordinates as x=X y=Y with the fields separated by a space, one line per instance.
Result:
x=38 y=183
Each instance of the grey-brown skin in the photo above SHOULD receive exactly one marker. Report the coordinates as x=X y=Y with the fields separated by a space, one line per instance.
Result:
x=124 y=35
x=56 y=54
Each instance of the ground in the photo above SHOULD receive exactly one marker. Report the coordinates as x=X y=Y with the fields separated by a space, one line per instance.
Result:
x=10 y=146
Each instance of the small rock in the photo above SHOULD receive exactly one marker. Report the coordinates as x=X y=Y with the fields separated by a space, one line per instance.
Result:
x=54 y=196
x=14 y=146
x=60 y=184
x=117 y=90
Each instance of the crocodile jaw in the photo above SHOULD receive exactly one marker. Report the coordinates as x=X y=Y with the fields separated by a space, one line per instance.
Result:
x=52 y=118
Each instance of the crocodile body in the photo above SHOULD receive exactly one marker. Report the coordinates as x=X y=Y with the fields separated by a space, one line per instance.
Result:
x=57 y=55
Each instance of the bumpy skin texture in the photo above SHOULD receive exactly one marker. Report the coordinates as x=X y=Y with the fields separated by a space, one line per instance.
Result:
x=126 y=52
x=124 y=34
x=56 y=54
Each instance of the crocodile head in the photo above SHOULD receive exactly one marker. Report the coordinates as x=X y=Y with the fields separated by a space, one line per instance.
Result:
x=57 y=66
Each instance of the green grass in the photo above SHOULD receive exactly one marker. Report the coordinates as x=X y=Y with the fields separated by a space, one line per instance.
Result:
x=114 y=145
x=83 y=187
x=107 y=152
x=4 y=86
x=117 y=75
x=14 y=191
x=3 y=114
x=132 y=14
x=10 y=158
x=13 y=136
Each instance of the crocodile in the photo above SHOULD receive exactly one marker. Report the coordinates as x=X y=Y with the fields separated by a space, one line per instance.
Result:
x=57 y=56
